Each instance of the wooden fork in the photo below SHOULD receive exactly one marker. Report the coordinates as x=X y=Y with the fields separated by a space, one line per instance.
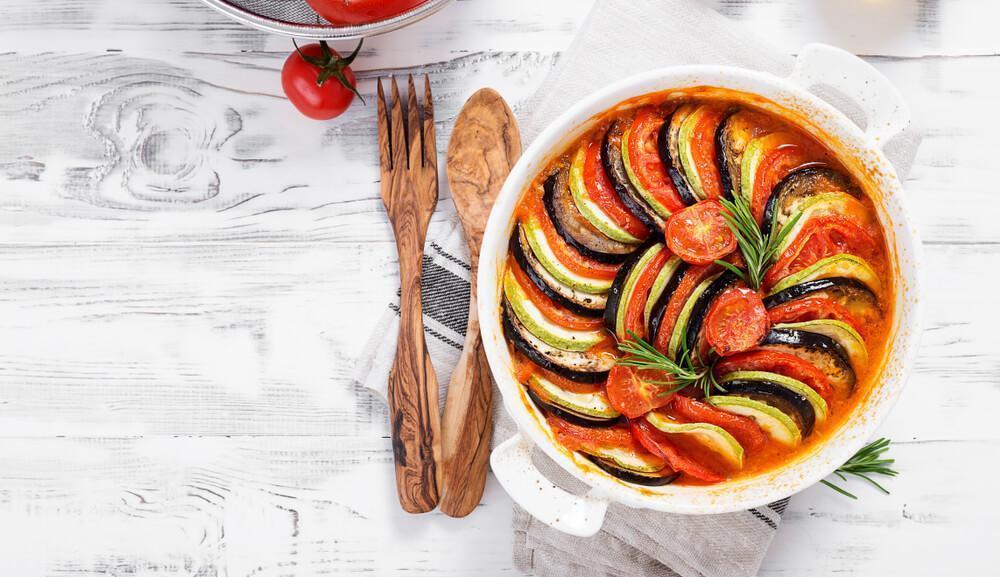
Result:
x=408 y=165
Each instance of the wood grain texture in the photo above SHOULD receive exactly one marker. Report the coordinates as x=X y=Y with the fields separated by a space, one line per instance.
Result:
x=408 y=171
x=163 y=346
x=485 y=144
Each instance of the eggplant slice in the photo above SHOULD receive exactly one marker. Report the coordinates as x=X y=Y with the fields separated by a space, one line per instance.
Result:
x=802 y=183
x=820 y=351
x=581 y=367
x=852 y=294
x=701 y=306
x=731 y=140
x=618 y=286
x=660 y=307
x=654 y=480
x=785 y=400
x=614 y=165
x=574 y=228
x=668 y=148
x=583 y=304
x=568 y=415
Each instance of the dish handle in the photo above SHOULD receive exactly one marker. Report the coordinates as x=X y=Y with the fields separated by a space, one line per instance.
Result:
x=886 y=113
x=577 y=515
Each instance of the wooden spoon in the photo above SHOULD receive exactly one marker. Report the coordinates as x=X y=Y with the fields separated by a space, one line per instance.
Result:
x=484 y=146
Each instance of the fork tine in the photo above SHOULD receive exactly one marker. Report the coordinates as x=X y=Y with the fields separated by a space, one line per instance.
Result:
x=384 y=151
x=398 y=130
x=430 y=144
x=413 y=129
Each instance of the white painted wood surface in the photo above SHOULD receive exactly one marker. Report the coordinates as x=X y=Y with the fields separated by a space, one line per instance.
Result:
x=188 y=268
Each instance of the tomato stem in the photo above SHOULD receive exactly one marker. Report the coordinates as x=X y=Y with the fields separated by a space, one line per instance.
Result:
x=332 y=65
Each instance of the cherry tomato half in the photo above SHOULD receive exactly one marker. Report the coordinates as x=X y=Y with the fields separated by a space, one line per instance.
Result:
x=632 y=395
x=699 y=233
x=318 y=81
x=736 y=321
x=348 y=12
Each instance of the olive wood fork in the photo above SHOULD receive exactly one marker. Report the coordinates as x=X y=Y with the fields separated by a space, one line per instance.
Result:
x=408 y=166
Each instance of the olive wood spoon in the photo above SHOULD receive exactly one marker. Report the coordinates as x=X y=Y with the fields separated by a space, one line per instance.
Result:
x=483 y=148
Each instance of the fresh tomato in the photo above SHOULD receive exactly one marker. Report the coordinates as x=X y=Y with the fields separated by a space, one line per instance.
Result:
x=632 y=395
x=318 y=81
x=736 y=321
x=592 y=439
x=699 y=233
x=603 y=193
x=692 y=278
x=776 y=165
x=703 y=151
x=822 y=237
x=778 y=362
x=352 y=12
x=657 y=443
x=644 y=159
x=814 y=308
x=744 y=429
x=567 y=255
x=636 y=307
x=555 y=313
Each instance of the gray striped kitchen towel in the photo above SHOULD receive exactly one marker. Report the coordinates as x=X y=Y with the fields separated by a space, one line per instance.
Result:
x=632 y=542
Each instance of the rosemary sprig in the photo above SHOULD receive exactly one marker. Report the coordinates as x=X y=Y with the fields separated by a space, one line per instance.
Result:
x=686 y=371
x=867 y=461
x=757 y=249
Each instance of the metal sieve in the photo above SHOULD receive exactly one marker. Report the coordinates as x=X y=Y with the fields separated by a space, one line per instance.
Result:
x=296 y=18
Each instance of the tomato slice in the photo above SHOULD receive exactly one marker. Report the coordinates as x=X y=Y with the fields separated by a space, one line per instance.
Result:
x=822 y=237
x=645 y=162
x=593 y=439
x=778 y=362
x=566 y=254
x=635 y=312
x=524 y=368
x=692 y=278
x=814 y=308
x=703 y=152
x=631 y=394
x=744 y=429
x=555 y=313
x=699 y=233
x=657 y=443
x=603 y=193
x=776 y=165
x=736 y=321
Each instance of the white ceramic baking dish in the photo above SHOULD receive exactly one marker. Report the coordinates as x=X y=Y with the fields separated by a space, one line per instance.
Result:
x=885 y=116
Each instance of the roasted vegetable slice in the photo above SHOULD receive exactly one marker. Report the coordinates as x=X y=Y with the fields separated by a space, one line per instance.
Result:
x=849 y=340
x=591 y=407
x=801 y=185
x=819 y=405
x=584 y=367
x=780 y=427
x=819 y=350
x=630 y=290
x=581 y=303
x=669 y=148
x=731 y=139
x=697 y=150
x=854 y=296
x=597 y=200
x=574 y=228
x=712 y=437
x=645 y=167
x=789 y=402
x=836 y=266
x=542 y=327
x=633 y=199
x=546 y=255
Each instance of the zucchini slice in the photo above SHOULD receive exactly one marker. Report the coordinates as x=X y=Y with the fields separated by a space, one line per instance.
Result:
x=543 y=252
x=802 y=184
x=659 y=308
x=798 y=387
x=576 y=230
x=624 y=286
x=634 y=197
x=777 y=425
x=845 y=335
x=755 y=151
x=685 y=146
x=820 y=205
x=539 y=325
x=792 y=404
x=711 y=436
x=852 y=294
x=583 y=367
x=660 y=211
x=731 y=139
x=593 y=407
x=669 y=149
x=581 y=303
x=662 y=282
x=680 y=327
x=588 y=208
x=836 y=266
x=664 y=476
x=821 y=351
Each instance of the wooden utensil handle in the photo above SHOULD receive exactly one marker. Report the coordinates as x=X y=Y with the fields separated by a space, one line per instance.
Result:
x=413 y=408
x=468 y=421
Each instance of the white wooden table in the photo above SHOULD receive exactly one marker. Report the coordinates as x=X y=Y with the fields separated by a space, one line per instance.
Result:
x=188 y=270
